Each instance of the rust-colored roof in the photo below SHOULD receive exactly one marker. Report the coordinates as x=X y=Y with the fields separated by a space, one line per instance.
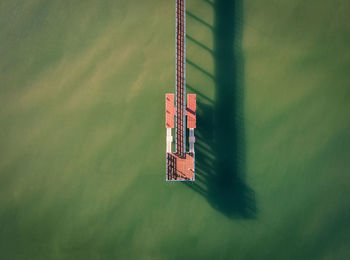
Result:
x=169 y=111
x=191 y=111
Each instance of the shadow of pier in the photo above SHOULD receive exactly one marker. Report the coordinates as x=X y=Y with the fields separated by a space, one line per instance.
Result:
x=220 y=134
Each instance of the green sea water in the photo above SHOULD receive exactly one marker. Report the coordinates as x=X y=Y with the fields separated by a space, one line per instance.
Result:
x=82 y=131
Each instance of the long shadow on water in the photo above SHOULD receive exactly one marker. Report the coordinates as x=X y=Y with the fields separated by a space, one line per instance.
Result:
x=220 y=134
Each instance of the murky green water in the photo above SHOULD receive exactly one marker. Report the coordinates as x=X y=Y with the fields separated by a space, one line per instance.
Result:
x=82 y=137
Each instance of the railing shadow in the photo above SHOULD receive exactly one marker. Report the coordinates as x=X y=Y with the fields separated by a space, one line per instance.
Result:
x=220 y=134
